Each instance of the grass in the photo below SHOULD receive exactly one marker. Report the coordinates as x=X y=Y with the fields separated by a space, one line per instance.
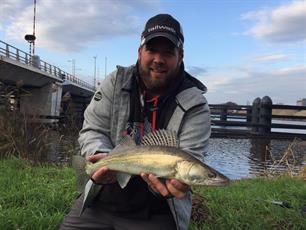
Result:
x=34 y=197
x=246 y=204
x=38 y=197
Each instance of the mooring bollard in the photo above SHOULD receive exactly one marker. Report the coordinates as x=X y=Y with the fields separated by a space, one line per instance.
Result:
x=249 y=114
x=255 y=114
x=265 y=117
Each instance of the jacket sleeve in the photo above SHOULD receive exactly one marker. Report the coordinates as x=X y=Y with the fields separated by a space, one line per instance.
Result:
x=191 y=121
x=95 y=134
x=195 y=131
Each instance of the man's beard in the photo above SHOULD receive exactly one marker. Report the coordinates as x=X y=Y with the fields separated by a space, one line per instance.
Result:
x=157 y=85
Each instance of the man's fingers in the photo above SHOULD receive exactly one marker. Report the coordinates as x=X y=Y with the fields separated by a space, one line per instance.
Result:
x=99 y=173
x=155 y=184
x=145 y=177
x=179 y=185
x=104 y=176
x=177 y=189
x=96 y=157
x=159 y=186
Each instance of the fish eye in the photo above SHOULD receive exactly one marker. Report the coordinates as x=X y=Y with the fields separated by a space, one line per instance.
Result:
x=211 y=175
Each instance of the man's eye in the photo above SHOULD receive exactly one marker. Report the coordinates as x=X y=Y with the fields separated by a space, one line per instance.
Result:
x=169 y=52
x=150 y=49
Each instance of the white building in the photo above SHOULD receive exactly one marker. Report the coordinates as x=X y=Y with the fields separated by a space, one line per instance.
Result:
x=301 y=102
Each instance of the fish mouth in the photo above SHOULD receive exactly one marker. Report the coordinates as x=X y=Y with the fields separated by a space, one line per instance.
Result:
x=218 y=181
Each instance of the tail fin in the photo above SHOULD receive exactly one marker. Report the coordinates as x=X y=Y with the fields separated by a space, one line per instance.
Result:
x=78 y=164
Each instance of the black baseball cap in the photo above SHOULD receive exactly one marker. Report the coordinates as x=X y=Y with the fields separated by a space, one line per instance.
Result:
x=163 y=25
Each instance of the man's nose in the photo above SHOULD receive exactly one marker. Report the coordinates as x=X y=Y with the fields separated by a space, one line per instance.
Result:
x=158 y=58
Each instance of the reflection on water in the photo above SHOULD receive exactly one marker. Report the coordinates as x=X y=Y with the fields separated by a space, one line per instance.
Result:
x=242 y=158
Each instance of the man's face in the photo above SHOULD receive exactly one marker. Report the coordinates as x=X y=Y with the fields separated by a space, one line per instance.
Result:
x=159 y=62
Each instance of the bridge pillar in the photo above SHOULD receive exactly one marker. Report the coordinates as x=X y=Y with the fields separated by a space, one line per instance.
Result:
x=43 y=101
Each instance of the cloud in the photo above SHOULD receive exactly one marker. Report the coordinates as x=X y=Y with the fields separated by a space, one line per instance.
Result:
x=216 y=79
x=196 y=70
x=286 y=23
x=10 y=6
x=71 y=25
x=298 y=71
x=271 y=57
x=8 y=9
x=242 y=85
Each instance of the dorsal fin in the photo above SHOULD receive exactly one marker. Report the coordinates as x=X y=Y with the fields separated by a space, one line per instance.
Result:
x=162 y=138
x=126 y=143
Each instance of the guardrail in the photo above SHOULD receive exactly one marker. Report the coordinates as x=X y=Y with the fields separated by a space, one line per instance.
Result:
x=257 y=120
x=16 y=54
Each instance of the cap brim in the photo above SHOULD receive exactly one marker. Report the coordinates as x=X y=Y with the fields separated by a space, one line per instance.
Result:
x=172 y=38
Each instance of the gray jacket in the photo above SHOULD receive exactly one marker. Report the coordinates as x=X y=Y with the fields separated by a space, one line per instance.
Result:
x=107 y=114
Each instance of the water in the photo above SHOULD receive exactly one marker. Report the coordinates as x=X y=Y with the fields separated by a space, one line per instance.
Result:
x=236 y=158
x=244 y=158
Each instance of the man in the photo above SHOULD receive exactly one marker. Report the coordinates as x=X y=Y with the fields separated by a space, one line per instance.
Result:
x=156 y=93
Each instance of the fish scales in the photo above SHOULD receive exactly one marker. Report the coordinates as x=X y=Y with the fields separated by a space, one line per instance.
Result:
x=148 y=160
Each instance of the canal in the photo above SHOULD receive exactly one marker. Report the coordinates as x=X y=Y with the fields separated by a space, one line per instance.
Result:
x=245 y=158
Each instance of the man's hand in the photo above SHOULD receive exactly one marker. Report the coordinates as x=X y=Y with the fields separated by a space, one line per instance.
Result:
x=171 y=187
x=102 y=175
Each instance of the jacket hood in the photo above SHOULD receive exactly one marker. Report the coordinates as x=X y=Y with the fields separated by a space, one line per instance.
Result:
x=196 y=82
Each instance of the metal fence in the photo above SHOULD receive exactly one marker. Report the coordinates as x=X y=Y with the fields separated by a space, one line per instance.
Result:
x=16 y=54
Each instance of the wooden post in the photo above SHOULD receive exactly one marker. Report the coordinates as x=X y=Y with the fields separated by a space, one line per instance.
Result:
x=265 y=117
x=223 y=114
x=255 y=114
x=249 y=114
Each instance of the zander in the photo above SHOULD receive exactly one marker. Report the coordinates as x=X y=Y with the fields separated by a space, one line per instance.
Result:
x=158 y=154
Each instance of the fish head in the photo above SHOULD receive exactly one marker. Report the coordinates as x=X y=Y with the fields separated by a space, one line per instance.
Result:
x=205 y=175
x=199 y=174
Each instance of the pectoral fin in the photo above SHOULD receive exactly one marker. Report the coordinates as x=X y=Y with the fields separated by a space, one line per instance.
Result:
x=123 y=178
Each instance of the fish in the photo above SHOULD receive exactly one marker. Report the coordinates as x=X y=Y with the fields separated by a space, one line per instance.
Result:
x=158 y=154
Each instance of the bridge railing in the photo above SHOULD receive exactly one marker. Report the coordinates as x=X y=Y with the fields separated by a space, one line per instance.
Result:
x=16 y=54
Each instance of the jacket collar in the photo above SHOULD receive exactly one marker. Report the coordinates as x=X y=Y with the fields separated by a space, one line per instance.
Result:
x=129 y=77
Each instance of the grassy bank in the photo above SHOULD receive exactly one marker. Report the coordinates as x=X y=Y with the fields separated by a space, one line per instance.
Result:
x=34 y=197
x=249 y=204
x=38 y=197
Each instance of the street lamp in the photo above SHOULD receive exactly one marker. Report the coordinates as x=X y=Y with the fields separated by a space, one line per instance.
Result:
x=72 y=66
x=95 y=70
x=30 y=38
x=105 y=67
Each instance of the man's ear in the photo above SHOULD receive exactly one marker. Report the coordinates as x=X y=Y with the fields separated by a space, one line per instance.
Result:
x=181 y=55
x=139 y=52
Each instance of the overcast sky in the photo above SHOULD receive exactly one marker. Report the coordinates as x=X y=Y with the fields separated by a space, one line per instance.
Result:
x=240 y=49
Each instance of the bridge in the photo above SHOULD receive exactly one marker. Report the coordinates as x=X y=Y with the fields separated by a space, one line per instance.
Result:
x=46 y=84
x=52 y=92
